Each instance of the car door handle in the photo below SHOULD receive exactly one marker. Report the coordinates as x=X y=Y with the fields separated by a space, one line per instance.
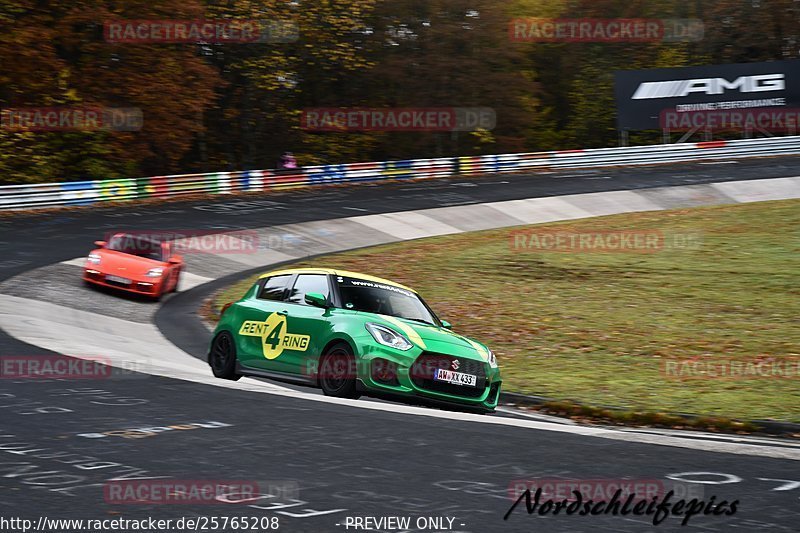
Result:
x=283 y=313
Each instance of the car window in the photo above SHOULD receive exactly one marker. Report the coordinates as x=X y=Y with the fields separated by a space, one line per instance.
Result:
x=138 y=246
x=274 y=288
x=380 y=298
x=308 y=283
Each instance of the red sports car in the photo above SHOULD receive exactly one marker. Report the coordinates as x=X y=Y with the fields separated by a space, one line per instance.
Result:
x=134 y=263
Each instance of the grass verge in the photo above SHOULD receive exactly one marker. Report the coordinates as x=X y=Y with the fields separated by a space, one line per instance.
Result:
x=599 y=328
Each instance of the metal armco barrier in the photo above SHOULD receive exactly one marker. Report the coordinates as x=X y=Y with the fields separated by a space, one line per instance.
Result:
x=32 y=196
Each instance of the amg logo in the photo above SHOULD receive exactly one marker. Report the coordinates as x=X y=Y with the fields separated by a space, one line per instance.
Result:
x=673 y=89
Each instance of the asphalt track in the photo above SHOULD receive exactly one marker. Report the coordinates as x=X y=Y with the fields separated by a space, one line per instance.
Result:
x=336 y=461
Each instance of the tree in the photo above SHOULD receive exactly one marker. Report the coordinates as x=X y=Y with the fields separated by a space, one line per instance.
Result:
x=63 y=41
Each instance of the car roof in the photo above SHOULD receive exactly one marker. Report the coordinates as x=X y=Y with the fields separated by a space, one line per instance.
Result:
x=143 y=238
x=336 y=272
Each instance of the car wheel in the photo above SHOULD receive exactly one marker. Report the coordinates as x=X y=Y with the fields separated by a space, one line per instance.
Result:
x=223 y=357
x=337 y=372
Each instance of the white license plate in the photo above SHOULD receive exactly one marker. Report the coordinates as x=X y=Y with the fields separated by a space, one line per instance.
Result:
x=117 y=279
x=456 y=378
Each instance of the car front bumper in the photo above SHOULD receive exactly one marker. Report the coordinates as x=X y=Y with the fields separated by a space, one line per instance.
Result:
x=148 y=288
x=413 y=377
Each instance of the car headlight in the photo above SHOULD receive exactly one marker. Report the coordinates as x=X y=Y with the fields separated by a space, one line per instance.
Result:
x=154 y=272
x=93 y=259
x=492 y=359
x=388 y=337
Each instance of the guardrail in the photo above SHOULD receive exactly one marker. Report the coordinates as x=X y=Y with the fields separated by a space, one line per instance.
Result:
x=32 y=196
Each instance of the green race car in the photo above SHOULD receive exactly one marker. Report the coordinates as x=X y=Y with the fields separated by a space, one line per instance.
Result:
x=349 y=334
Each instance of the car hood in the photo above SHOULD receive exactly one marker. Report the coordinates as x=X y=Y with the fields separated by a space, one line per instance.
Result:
x=124 y=265
x=435 y=339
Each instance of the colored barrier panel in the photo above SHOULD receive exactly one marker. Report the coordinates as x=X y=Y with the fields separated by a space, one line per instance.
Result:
x=327 y=174
x=31 y=196
x=117 y=190
x=398 y=169
x=78 y=193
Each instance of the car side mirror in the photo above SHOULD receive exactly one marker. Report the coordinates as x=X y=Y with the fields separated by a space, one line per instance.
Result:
x=175 y=260
x=446 y=324
x=316 y=299
x=100 y=244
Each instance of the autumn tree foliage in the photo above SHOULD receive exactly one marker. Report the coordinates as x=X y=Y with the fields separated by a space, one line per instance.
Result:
x=226 y=106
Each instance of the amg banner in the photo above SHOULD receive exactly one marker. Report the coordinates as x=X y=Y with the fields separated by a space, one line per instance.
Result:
x=755 y=96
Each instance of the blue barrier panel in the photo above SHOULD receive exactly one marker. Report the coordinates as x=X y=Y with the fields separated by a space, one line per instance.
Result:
x=327 y=174
x=78 y=192
x=255 y=180
x=398 y=169
x=241 y=182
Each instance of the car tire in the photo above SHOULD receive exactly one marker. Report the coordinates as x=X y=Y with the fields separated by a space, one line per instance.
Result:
x=335 y=376
x=222 y=357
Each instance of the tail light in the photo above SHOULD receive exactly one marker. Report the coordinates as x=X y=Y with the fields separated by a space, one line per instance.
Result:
x=225 y=308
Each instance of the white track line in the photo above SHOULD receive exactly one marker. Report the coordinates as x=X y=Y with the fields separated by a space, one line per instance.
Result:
x=537 y=416
x=142 y=347
x=78 y=261
x=188 y=280
x=64 y=330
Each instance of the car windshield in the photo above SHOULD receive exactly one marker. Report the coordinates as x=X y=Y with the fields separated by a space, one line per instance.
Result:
x=138 y=246
x=384 y=299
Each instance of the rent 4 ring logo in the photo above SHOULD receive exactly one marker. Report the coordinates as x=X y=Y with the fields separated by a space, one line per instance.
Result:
x=273 y=339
